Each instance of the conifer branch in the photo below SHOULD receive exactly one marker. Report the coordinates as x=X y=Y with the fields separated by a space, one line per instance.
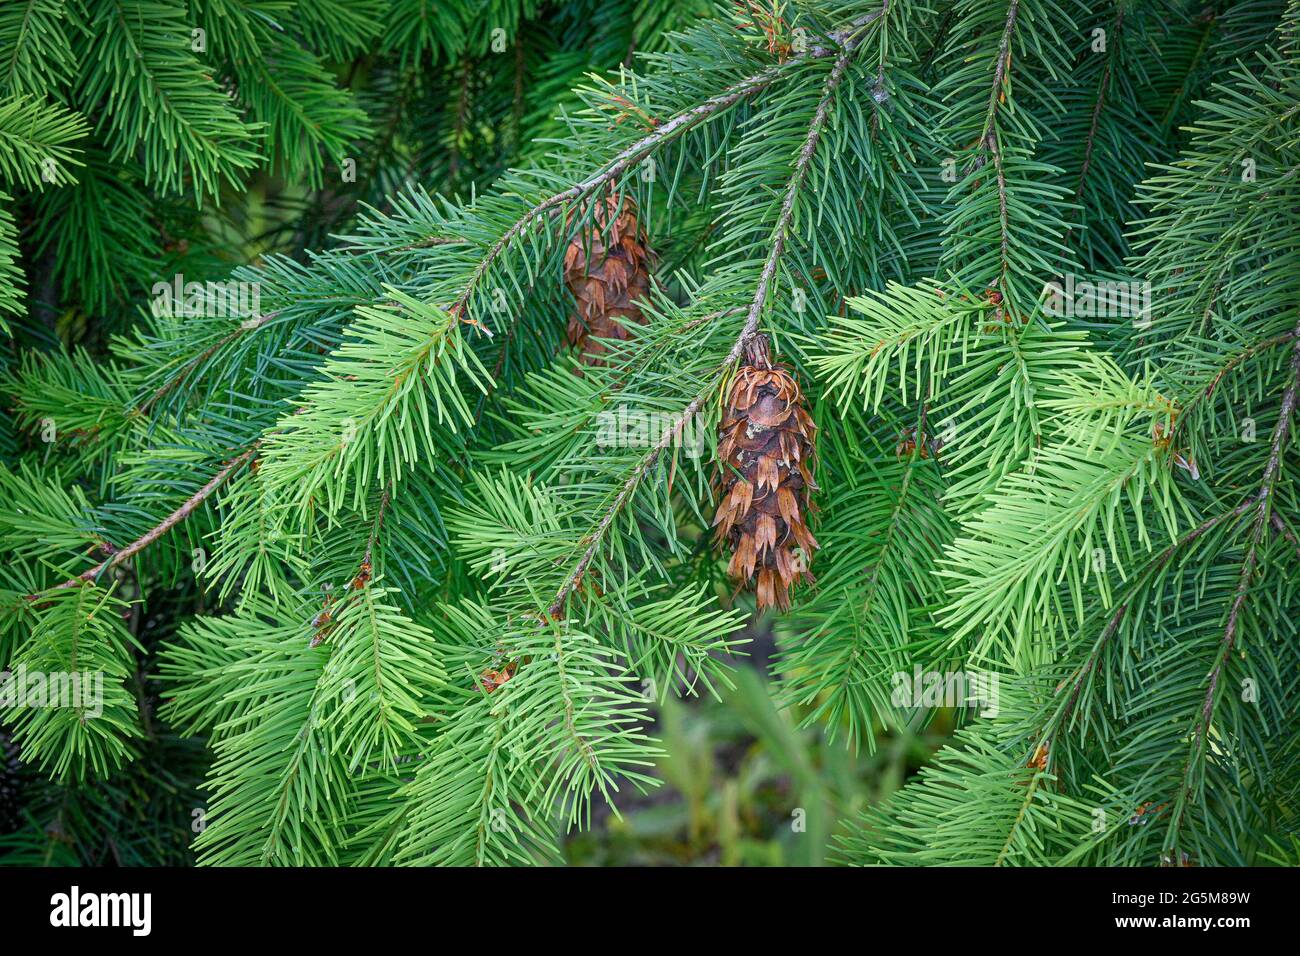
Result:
x=1103 y=86
x=160 y=529
x=1000 y=73
x=629 y=486
x=1209 y=18
x=782 y=228
x=1054 y=536
x=1261 y=503
x=248 y=325
x=1243 y=356
x=1030 y=789
x=379 y=523
x=747 y=333
x=1062 y=716
x=990 y=138
x=845 y=40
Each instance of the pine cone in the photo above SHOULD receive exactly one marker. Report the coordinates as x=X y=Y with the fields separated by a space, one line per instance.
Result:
x=765 y=483
x=606 y=267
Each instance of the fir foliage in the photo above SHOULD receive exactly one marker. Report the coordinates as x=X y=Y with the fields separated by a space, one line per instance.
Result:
x=424 y=586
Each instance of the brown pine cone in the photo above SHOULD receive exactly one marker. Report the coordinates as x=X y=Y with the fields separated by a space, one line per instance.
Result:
x=765 y=482
x=606 y=267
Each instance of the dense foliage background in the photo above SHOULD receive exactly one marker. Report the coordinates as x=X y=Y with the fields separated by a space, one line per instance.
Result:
x=436 y=94
x=390 y=452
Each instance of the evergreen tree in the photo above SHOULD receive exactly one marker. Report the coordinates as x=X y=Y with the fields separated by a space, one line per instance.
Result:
x=976 y=323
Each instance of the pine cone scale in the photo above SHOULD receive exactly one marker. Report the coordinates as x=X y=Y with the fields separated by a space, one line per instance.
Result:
x=606 y=267
x=766 y=442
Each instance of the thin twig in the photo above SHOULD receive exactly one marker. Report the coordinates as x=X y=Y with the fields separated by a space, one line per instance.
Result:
x=247 y=325
x=1102 y=88
x=1000 y=71
x=989 y=139
x=1228 y=366
x=158 y=530
x=782 y=228
x=379 y=523
x=1261 y=502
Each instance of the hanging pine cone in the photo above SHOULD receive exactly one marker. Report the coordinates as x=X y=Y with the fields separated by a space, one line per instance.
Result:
x=11 y=785
x=765 y=483
x=606 y=267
